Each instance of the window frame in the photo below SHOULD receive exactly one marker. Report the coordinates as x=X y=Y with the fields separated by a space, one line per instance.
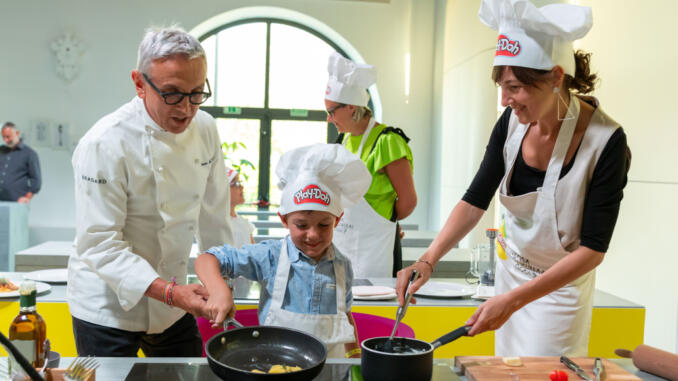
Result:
x=265 y=114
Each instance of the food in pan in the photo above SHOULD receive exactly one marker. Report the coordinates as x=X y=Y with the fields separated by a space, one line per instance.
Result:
x=279 y=369
x=7 y=286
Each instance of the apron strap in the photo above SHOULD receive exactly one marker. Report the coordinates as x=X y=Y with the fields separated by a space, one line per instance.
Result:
x=283 y=273
x=560 y=149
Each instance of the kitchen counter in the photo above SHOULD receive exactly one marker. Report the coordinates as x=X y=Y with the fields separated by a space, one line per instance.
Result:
x=116 y=369
x=55 y=254
x=430 y=318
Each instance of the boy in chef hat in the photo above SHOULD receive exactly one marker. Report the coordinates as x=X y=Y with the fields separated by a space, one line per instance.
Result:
x=242 y=227
x=306 y=282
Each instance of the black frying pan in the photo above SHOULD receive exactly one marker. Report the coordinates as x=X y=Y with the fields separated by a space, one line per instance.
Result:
x=234 y=354
x=408 y=359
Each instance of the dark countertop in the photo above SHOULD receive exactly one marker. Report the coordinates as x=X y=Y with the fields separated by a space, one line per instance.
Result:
x=116 y=369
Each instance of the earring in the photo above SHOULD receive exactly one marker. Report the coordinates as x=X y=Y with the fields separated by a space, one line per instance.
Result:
x=568 y=114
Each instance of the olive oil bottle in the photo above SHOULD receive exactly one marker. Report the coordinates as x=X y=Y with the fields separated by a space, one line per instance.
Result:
x=28 y=330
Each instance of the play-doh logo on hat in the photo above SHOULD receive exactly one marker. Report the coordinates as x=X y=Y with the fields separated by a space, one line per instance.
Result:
x=507 y=47
x=311 y=193
x=328 y=90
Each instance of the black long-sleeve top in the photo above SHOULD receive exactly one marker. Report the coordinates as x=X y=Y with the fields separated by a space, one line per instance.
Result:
x=19 y=172
x=604 y=195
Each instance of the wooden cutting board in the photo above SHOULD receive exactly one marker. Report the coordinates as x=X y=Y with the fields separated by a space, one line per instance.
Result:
x=485 y=368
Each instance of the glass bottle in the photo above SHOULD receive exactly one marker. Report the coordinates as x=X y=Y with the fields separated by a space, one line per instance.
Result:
x=28 y=330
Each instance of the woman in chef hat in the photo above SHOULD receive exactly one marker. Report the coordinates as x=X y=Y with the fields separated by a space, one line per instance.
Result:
x=306 y=283
x=368 y=233
x=560 y=164
x=242 y=228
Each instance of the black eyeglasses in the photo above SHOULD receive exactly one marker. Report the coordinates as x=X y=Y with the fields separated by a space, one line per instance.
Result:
x=331 y=111
x=174 y=97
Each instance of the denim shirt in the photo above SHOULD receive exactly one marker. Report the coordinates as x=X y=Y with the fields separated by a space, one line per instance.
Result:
x=311 y=287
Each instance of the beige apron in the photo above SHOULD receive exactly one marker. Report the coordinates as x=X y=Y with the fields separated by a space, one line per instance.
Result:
x=364 y=236
x=542 y=227
x=333 y=330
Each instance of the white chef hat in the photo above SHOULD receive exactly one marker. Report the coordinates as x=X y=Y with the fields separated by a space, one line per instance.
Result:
x=538 y=38
x=348 y=81
x=232 y=173
x=325 y=177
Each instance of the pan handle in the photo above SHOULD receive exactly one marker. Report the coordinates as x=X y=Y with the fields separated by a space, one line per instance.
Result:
x=452 y=336
x=233 y=322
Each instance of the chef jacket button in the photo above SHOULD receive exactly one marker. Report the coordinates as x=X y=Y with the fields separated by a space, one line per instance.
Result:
x=160 y=169
x=196 y=196
x=196 y=161
x=190 y=228
x=182 y=263
x=163 y=205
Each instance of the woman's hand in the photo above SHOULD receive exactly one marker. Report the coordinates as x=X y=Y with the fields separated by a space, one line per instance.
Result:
x=423 y=268
x=219 y=305
x=492 y=314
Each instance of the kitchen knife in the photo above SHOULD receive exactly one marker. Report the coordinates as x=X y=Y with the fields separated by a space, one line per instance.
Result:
x=598 y=369
x=572 y=365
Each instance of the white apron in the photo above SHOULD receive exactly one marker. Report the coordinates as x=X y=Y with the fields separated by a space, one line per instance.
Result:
x=333 y=330
x=365 y=237
x=539 y=229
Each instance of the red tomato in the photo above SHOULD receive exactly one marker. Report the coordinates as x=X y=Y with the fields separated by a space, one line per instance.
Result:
x=558 y=375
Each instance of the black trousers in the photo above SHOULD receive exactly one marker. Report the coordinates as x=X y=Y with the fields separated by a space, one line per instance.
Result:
x=182 y=339
x=397 y=252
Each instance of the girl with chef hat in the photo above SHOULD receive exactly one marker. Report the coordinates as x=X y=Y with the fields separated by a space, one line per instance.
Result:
x=368 y=233
x=242 y=227
x=305 y=281
x=560 y=164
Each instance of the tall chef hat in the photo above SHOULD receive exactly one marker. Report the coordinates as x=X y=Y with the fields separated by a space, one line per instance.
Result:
x=324 y=177
x=348 y=81
x=538 y=38
x=232 y=173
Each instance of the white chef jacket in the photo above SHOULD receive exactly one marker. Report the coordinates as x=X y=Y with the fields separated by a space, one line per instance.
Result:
x=142 y=194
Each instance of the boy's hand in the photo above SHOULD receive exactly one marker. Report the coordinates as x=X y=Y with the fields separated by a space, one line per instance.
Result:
x=219 y=305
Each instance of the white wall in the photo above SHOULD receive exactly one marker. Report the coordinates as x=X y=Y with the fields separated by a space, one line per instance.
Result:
x=468 y=98
x=111 y=30
x=634 y=54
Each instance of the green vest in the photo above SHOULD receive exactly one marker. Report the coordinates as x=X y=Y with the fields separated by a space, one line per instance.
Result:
x=380 y=196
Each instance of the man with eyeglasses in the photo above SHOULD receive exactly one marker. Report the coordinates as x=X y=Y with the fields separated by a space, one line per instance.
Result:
x=148 y=181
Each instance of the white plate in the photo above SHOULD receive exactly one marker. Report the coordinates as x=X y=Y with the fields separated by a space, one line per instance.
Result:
x=372 y=290
x=445 y=290
x=50 y=276
x=376 y=297
x=40 y=287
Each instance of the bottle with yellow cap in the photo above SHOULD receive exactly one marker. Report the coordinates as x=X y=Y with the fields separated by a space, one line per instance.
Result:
x=28 y=330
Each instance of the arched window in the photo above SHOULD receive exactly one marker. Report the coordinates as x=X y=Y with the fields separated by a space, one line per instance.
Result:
x=268 y=79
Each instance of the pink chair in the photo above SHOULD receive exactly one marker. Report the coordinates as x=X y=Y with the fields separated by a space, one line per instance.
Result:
x=374 y=326
x=248 y=318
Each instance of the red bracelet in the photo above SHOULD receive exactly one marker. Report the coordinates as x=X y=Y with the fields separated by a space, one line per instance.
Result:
x=427 y=262
x=168 y=291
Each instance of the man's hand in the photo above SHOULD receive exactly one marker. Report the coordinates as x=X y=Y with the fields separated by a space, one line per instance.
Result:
x=191 y=298
x=25 y=199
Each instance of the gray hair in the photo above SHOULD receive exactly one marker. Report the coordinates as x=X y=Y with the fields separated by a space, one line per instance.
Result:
x=9 y=125
x=361 y=112
x=165 y=42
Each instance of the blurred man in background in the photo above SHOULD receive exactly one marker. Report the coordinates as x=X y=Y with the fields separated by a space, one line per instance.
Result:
x=19 y=167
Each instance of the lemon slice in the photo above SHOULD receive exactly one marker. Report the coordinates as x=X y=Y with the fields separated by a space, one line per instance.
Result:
x=512 y=361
